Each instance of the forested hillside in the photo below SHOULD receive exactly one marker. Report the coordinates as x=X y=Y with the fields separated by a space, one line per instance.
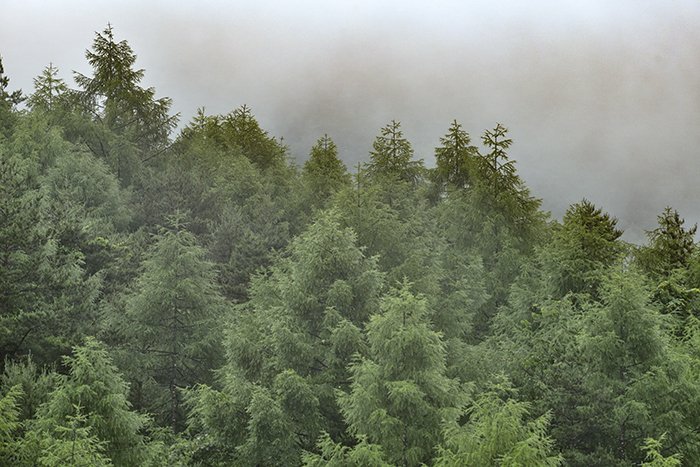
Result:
x=197 y=298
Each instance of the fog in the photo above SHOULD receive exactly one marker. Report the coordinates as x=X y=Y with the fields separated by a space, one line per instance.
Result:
x=602 y=98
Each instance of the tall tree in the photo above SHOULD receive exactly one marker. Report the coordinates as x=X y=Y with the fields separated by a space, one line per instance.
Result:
x=399 y=394
x=324 y=173
x=49 y=90
x=93 y=397
x=391 y=156
x=288 y=348
x=455 y=158
x=8 y=101
x=130 y=124
x=170 y=321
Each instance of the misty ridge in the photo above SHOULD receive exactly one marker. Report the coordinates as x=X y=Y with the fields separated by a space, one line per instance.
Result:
x=601 y=100
x=267 y=285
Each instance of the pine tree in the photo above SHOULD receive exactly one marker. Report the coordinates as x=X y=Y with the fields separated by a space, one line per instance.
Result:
x=129 y=125
x=8 y=102
x=289 y=346
x=497 y=432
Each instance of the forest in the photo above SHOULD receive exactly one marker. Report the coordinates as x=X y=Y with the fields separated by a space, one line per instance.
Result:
x=192 y=296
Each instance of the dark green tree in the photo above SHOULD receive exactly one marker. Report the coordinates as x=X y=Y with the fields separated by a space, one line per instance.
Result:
x=8 y=102
x=391 y=157
x=128 y=124
x=455 y=158
x=290 y=346
x=169 y=327
x=324 y=173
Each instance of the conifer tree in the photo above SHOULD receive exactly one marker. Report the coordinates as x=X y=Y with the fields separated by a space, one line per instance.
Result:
x=399 y=393
x=49 y=90
x=170 y=322
x=324 y=173
x=90 y=404
x=290 y=346
x=391 y=156
x=455 y=158
x=497 y=432
x=126 y=125
x=8 y=102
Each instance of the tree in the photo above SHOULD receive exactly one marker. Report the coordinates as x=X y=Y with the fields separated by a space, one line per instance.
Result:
x=497 y=433
x=586 y=244
x=391 y=156
x=170 y=320
x=8 y=101
x=399 y=394
x=49 y=90
x=129 y=125
x=363 y=454
x=455 y=158
x=9 y=425
x=288 y=348
x=324 y=173
x=91 y=405
x=671 y=246
x=47 y=299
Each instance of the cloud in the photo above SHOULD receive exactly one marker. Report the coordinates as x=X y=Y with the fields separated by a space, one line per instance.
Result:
x=602 y=98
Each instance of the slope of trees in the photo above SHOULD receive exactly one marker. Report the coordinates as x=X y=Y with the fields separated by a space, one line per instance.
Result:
x=198 y=299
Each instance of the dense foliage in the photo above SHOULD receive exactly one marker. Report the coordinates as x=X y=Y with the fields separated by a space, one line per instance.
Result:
x=198 y=299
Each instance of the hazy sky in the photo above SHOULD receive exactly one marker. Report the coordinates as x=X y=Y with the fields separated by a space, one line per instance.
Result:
x=602 y=97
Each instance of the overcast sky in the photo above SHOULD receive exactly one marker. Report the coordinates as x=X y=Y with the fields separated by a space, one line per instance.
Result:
x=602 y=97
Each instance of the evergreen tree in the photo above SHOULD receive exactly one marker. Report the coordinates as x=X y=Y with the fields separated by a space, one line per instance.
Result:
x=363 y=454
x=90 y=406
x=455 y=158
x=324 y=173
x=391 y=156
x=497 y=433
x=129 y=125
x=399 y=394
x=169 y=322
x=8 y=102
x=49 y=90
x=289 y=347
x=585 y=245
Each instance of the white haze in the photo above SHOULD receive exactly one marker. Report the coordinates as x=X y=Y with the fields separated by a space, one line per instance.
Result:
x=602 y=97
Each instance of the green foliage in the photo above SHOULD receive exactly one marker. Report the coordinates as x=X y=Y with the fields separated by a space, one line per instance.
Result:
x=399 y=394
x=498 y=433
x=90 y=405
x=8 y=102
x=585 y=245
x=46 y=298
x=324 y=173
x=9 y=425
x=455 y=158
x=36 y=384
x=49 y=91
x=122 y=122
x=652 y=447
x=363 y=454
x=390 y=158
x=168 y=326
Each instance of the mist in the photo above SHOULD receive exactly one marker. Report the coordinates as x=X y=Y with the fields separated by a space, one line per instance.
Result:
x=602 y=99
